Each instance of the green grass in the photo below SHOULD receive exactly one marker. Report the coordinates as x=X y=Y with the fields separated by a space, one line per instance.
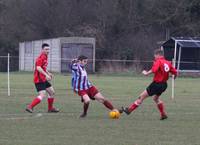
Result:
x=142 y=127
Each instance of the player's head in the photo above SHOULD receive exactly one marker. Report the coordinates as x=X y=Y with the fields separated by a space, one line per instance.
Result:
x=158 y=53
x=45 y=48
x=83 y=60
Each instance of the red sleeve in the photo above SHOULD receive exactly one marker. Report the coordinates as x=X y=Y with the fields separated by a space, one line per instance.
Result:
x=155 y=67
x=39 y=62
x=173 y=70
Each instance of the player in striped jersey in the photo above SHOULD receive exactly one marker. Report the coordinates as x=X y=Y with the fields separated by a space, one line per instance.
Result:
x=83 y=87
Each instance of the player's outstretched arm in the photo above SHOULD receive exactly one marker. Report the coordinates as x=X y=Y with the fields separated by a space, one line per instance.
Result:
x=146 y=73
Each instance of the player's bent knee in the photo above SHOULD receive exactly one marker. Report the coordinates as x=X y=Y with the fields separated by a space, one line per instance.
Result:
x=42 y=93
x=86 y=99
x=156 y=100
x=52 y=93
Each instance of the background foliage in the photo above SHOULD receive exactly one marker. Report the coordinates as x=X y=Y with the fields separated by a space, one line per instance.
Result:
x=129 y=28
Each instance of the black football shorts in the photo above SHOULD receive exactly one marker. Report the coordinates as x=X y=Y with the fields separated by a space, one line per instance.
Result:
x=42 y=86
x=156 y=88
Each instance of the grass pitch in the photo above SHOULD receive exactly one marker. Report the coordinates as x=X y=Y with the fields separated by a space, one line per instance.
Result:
x=142 y=127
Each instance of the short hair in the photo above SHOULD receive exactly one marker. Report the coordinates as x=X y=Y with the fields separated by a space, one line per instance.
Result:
x=82 y=57
x=159 y=52
x=45 y=45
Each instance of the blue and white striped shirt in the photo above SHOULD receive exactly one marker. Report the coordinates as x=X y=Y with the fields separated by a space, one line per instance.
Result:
x=79 y=78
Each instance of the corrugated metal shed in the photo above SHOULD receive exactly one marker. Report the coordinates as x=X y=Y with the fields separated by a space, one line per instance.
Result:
x=62 y=50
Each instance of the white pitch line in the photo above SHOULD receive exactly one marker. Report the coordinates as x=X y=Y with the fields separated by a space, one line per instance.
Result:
x=19 y=116
x=26 y=116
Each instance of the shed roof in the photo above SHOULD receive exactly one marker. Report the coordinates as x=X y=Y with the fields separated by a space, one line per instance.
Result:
x=187 y=42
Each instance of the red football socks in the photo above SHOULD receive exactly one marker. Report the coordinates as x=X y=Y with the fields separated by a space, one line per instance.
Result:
x=132 y=107
x=34 y=102
x=161 y=109
x=50 y=103
x=108 y=104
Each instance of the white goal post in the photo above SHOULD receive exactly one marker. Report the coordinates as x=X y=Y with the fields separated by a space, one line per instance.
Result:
x=179 y=58
x=8 y=72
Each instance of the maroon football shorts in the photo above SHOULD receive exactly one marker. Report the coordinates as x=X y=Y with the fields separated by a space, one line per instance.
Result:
x=91 y=92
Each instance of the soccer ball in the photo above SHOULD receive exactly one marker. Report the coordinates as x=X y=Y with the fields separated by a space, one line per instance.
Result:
x=114 y=114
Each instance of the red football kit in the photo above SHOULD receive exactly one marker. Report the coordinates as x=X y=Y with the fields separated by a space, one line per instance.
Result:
x=161 y=69
x=41 y=61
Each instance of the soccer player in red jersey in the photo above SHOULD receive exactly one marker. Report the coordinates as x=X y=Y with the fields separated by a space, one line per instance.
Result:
x=161 y=69
x=83 y=87
x=41 y=81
